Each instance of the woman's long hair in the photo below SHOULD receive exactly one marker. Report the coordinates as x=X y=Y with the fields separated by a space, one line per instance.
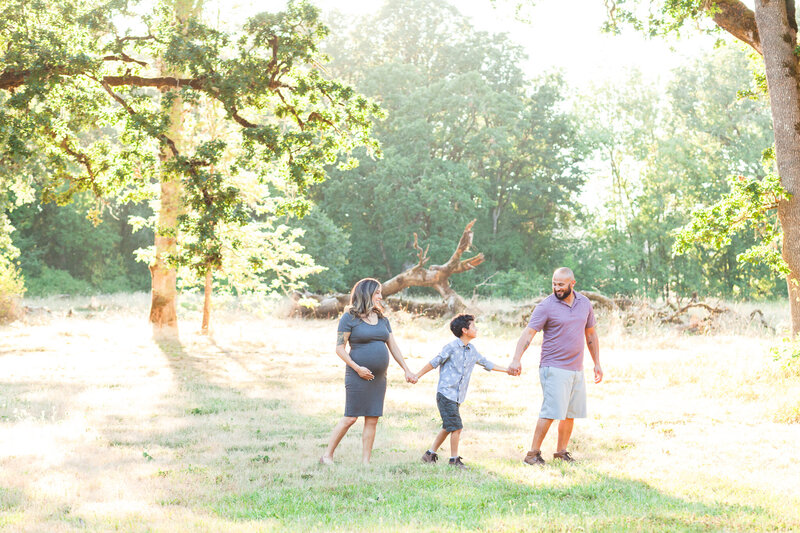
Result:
x=361 y=298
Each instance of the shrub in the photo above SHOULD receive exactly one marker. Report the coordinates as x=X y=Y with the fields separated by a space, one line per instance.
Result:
x=54 y=281
x=787 y=355
x=12 y=287
x=515 y=285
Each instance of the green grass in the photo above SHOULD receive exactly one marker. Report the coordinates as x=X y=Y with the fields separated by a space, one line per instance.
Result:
x=105 y=429
x=434 y=498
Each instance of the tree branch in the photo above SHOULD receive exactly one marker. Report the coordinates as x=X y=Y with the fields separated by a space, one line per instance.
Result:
x=163 y=82
x=80 y=157
x=735 y=18
x=12 y=78
x=121 y=40
x=234 y=113
x=463 y=245
x=421 y=254
x=124 y=57
x=161 y=137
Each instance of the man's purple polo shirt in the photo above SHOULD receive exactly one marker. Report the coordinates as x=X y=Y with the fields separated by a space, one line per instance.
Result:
x=563 y=330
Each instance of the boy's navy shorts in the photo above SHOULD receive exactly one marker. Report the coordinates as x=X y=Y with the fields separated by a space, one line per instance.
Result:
x=451 y=419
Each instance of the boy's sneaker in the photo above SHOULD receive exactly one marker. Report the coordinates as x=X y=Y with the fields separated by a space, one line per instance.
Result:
x=430 y=457
x=456 y=462
x=533 y=458
x=564 y=456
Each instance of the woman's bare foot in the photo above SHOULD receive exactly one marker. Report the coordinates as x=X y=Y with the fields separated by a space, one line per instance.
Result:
x=327 y=461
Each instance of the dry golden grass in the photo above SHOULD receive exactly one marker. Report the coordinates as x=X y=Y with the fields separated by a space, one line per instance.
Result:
x=102 y=428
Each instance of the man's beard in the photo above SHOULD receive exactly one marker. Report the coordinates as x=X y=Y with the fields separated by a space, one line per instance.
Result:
x=565 y=295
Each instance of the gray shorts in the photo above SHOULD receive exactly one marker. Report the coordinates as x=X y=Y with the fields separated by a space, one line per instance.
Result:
x=451 y=418
x=563 y=393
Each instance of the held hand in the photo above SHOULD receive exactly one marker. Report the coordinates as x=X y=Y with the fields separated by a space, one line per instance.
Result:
x=364 y=373
x=411 y=377
x=515 y=368
x=598 y=374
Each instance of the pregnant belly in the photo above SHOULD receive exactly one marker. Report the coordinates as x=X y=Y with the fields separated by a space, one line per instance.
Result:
x=374 y=356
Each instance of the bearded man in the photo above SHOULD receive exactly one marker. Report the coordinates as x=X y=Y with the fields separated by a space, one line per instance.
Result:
x=565 y=319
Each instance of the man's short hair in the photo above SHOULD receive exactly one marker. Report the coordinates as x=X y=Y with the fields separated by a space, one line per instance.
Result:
x=460 y=323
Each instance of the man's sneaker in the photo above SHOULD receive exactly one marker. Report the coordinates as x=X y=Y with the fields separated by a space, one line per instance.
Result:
x=430 y=457
x=564 y=456
x=533 y=458
x=456 y=462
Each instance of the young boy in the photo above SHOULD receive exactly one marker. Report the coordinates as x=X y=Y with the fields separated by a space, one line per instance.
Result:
x=455 y=362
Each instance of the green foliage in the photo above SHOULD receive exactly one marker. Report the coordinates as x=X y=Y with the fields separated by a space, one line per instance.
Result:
x=467 y=137
x=658 y=18
x=50 y=281
x=665 y=153
x=79 y=114
x=787 y=355
x=60 y=242
x=750 y=204
x=329 y=246
x=514 y=284
x=12 y=288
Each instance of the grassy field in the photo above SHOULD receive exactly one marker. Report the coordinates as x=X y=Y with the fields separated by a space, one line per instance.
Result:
x=101 y=428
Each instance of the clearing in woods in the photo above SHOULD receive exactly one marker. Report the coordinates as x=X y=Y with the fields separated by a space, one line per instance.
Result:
x=103 y=428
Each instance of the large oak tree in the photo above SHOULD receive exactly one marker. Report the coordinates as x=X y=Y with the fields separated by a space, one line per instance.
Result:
x=771 y=30
x=93 y=96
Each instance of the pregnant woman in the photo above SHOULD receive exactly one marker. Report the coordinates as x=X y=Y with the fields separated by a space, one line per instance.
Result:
x=368 y=333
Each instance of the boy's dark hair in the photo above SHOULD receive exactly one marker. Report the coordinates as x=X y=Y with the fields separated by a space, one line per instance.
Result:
x=460 y=323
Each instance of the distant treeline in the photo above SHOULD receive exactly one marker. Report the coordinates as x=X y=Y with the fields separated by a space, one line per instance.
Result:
x=596 y=181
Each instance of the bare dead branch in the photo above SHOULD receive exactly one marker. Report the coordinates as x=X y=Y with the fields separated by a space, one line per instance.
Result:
x=422 y=255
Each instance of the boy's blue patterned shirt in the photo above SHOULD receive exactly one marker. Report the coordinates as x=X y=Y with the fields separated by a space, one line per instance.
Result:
x=457 y=362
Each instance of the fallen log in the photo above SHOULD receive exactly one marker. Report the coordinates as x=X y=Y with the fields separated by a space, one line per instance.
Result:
x=713 y=310
x=437 y=276
x=308 y=305
x=599 y=299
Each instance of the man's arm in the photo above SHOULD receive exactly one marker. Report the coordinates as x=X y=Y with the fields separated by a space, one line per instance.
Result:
x=515 y=368
x=594 y=350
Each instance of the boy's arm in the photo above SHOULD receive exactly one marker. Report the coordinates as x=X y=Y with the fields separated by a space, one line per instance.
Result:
x=488 y=365
x=425 y=369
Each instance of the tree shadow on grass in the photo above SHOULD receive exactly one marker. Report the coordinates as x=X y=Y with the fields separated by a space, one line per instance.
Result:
x=253 y=459
x=36 y=400
x=226 y=440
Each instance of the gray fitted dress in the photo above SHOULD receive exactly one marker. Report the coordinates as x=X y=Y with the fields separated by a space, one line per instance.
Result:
x=367 y=348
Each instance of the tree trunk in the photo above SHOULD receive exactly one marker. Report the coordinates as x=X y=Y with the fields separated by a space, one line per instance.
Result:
x=454 y=302
x=778 y=37
x=207 y=300
x=163 y=312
